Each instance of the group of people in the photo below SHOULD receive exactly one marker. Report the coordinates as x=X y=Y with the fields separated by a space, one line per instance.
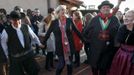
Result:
x=107 y=39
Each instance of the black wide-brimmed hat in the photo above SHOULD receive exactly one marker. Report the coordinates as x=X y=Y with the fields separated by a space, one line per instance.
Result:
x=105 y=3
x=15 y=15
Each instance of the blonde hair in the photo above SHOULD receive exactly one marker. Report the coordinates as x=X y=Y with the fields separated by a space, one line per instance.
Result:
x=58 y=9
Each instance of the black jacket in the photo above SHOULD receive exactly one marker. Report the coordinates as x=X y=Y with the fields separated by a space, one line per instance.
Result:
x=101 y=54
x=58 y=37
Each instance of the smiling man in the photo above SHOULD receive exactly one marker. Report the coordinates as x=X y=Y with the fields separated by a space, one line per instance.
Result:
x=101 y=33
x=16 y=42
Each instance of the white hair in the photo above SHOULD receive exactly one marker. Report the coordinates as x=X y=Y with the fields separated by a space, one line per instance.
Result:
x=131 y=11
x=59 y=8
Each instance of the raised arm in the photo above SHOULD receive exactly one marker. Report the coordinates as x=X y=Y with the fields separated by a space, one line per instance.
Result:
x=116 y=8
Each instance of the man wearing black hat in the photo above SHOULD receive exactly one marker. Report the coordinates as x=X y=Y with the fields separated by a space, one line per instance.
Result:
x=101 y=33
x=16 y=42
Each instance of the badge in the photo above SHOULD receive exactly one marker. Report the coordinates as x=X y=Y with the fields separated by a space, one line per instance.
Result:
x=66 y=43
x=107 y=43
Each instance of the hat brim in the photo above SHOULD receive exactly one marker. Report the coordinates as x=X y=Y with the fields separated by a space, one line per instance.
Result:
x=15 y=18
x=15 y=15
x=111 y=5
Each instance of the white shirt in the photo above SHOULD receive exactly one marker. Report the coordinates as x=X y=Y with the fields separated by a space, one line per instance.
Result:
x=4 y=38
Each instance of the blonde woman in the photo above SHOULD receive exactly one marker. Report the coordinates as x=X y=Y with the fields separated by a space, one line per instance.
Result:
x=62 y=28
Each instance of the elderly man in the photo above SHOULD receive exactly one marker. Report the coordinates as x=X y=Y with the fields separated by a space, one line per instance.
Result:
x=101 y=33
x=16 y=42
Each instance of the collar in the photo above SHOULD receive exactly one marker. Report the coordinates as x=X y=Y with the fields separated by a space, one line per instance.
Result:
x=103 y=17
x=16 y=28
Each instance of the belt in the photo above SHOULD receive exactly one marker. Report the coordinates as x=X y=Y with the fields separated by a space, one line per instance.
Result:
x=21 y=54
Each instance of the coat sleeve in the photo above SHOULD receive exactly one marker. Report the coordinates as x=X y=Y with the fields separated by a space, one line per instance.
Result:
x=49 y=31
x=87 y=31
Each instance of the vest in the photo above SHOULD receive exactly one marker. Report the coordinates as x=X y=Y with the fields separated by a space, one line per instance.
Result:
x=14 y=44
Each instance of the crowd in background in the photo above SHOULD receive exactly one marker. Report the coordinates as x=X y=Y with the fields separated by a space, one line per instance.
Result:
x=106 y=37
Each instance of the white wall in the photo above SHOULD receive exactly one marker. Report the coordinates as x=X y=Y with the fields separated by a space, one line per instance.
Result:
x=25 y=4
x=53 y=3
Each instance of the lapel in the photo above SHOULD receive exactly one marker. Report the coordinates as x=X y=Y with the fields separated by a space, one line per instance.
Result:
x=104 y=26
x=99 y=25
x=67 y=26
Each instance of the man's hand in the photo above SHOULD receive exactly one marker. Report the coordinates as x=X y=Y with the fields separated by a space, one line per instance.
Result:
x=116 y=8
x=119 y=2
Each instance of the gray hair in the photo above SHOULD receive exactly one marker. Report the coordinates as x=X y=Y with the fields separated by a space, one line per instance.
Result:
x=132 y=11
x=59 y=8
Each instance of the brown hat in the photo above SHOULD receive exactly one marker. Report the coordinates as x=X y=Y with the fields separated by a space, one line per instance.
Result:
x=105 y=3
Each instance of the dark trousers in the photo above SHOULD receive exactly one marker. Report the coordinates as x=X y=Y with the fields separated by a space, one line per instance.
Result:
x=3 y=69
x=96 y=71
x=61 y=64
x=37 y=49
x=27 y=66
x=87 y=49
x=49 y=60
x=77 y=58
